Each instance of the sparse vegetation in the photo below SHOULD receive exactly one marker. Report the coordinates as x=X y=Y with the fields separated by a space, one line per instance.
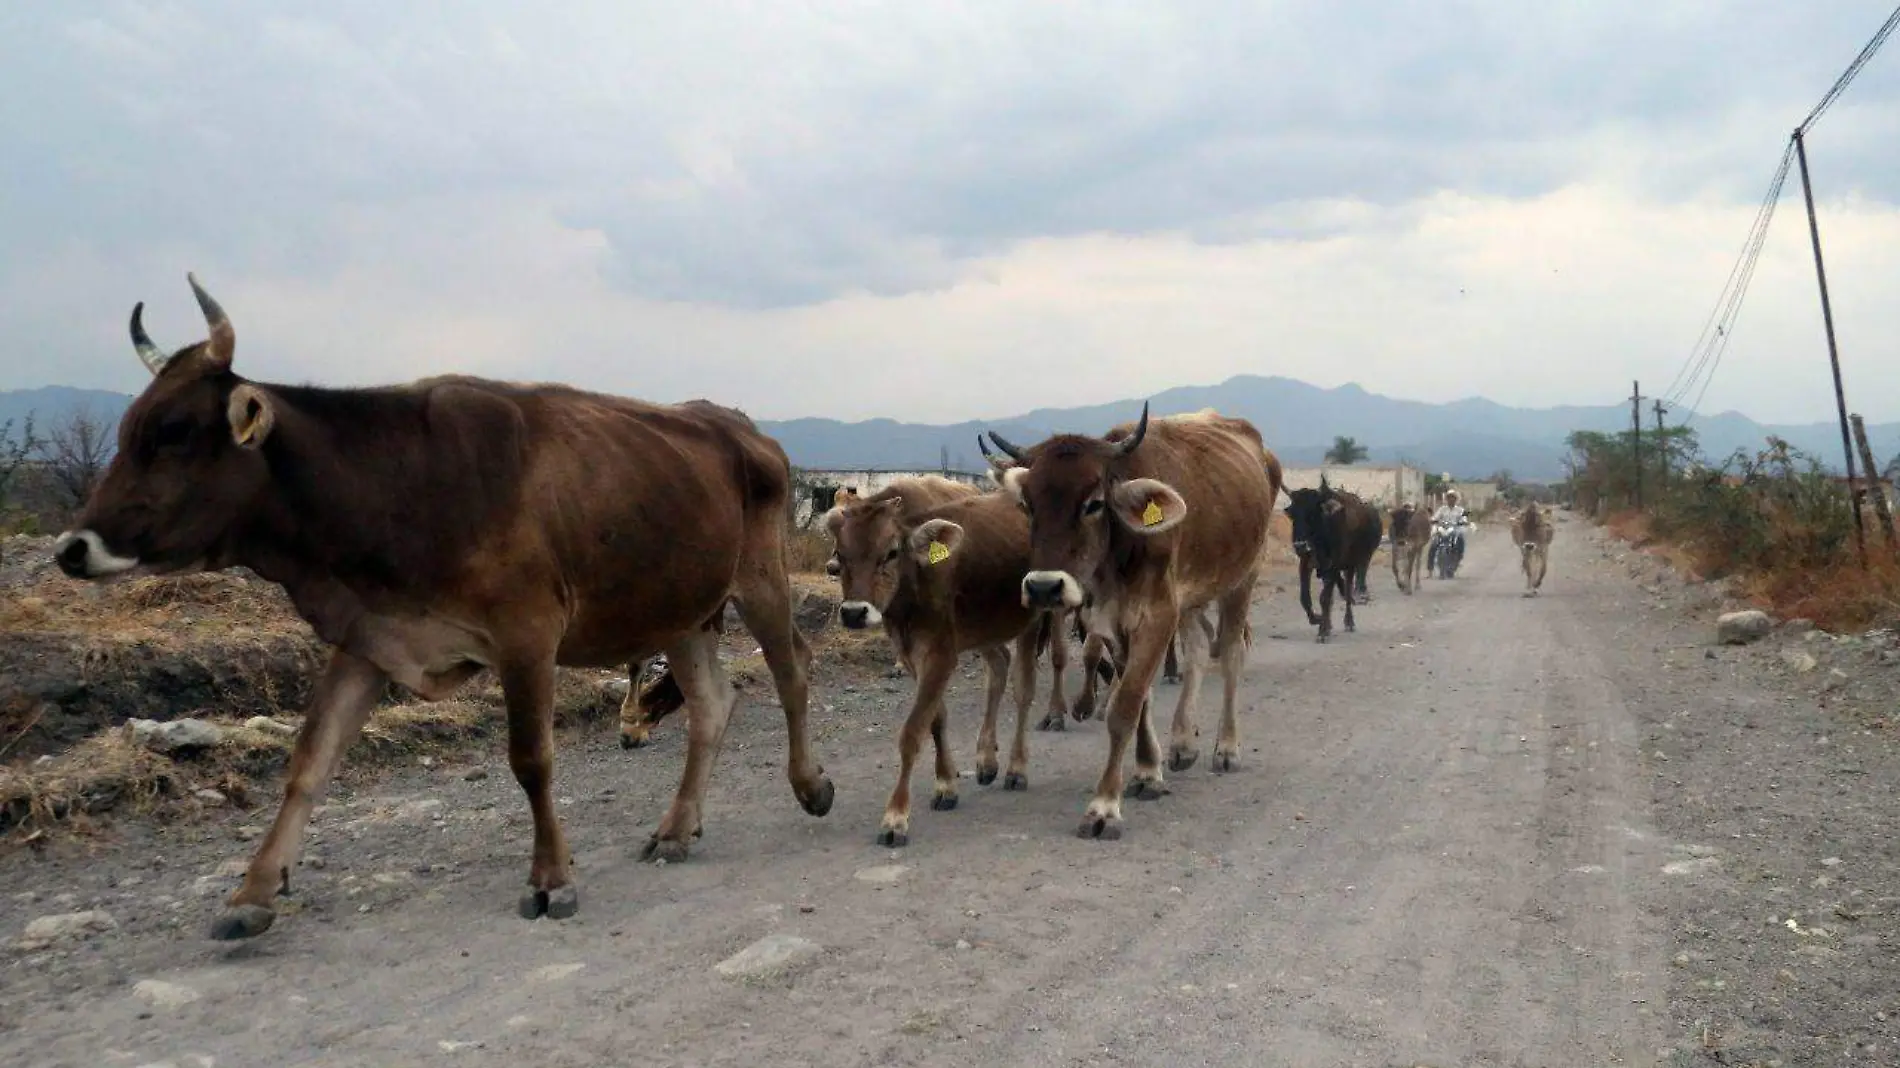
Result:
x=74 y=454
x=1774 y=520
x=16 y=448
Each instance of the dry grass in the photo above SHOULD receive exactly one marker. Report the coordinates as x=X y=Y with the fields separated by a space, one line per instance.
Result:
x=808 y=550
x=166 y=612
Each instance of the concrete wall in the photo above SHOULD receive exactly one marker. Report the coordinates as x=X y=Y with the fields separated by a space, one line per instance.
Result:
x=1476 y=496
x=811 y=484
x=1383 y=486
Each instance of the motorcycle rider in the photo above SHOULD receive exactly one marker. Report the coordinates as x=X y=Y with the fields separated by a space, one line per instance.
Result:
x=1450 y=514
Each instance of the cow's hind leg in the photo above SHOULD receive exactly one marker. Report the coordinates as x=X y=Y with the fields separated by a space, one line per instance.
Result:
x=342 y=702
x=996 y=663
x=926 y=716
x=765 y=603
x=1230 y=650
x=1098 y=669
x=709 y=702
x=1058 y=666
x=1183 y=738
x=527 y=688
x=1350 y=626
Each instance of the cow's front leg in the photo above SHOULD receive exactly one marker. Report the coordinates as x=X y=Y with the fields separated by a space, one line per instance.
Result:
x=1103 y=818
x=933 y=676
x=527 y=687
x=343 y=700
x=996 y=674
x=1328 y=580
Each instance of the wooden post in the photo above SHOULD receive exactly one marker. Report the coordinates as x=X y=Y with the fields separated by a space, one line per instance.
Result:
x=1874 y=489
x=1833 y=350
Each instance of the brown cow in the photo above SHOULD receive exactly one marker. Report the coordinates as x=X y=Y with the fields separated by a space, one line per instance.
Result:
x=1411 y=532
x=432 y=530
x=943 y=582
x=1532 y=533
x=645 y=706
x=1149 y=525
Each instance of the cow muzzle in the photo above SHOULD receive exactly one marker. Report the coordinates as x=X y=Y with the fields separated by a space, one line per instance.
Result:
x=83 y=554
x=1051 y=589
x=857 y=615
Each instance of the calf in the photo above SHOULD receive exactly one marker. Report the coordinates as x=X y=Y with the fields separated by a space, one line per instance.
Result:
x=1411 y=532
x=1147 y=526
x=431 y=531
x=1532 y=533
x=944 y=581
x=1335 y=534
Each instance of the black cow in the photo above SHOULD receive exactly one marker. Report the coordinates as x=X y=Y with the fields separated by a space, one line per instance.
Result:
x=1334 y=533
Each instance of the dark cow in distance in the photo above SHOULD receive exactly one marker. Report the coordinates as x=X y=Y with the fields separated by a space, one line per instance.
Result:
x=945 y=581
x=433 y=530
x=1335 y=534
x=1147 y=526
x=1411 y=532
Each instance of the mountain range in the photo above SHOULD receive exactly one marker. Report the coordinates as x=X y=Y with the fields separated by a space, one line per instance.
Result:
x=1469 y=438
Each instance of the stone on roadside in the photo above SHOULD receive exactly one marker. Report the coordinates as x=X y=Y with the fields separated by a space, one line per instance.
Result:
x=1741 y=628
x=177 y=735
x=163 y=995
x=1801 y=662
x=771 y=954
x=268 y=725
x=47 y=930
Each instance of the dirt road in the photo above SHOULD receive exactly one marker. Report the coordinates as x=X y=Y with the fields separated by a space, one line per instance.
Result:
x=1465 y=835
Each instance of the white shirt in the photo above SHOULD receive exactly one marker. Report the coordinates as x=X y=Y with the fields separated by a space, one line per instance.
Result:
x=1449 y=513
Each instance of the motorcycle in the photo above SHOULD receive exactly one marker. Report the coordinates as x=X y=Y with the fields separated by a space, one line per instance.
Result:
x=1447 y=549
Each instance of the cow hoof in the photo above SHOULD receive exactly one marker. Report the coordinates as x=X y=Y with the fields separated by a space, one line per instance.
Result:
x=943 y=803
x=1181 y=758
x=241 y=921
x=1083 y=711
x=985 y=776
x=1053 y=722
x=1015 y=780
x=1323 y=639
x=1225 y=762
x=1145 y=790
x=1351 y=629
x=560 y=903
x=892 y=838
x=818 y=802
x=664 y=850
x=1101 y=828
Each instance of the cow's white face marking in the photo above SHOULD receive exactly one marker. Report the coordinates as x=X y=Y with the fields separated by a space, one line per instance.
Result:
x=97 y=561
x=1013 y=480
x=1070 y=590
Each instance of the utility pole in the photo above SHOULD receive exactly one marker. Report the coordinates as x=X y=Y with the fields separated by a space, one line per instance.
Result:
x=1662 y=440
x=1833 y=350
x=1876 y=491
x=1636 y=440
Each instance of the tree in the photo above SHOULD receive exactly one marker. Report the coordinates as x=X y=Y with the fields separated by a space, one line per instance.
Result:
x=14 y=453
x=1345 y=451
x=75 y=454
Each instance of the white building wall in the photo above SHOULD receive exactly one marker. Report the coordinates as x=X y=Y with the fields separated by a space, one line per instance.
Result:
x=1386 y=486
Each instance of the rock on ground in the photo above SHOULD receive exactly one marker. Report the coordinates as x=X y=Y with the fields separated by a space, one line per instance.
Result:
x=773 y=953
x=1741 y=628
x=50 y=929
x=163 y=995
x=176 y=735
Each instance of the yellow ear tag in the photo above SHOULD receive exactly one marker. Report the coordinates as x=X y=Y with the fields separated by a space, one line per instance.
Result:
x=1152 y=515
x=938 y=552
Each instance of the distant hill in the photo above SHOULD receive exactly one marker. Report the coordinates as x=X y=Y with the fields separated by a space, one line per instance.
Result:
x=1469 y=438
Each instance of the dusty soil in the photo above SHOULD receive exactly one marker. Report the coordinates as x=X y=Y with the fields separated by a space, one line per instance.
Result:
x=1483 y=830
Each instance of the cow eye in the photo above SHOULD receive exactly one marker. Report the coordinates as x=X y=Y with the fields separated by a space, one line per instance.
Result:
x=1094 y=507
x=892 y=555
x=172 y=434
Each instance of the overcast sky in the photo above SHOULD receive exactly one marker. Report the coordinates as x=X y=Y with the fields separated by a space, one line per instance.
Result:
x=938 y=210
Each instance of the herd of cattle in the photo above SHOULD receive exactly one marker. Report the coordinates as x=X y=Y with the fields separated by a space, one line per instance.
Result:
x=430 y=531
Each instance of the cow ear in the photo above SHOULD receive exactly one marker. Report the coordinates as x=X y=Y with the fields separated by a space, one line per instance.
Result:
x=1148 y=506
x=833 y=566
x=935 y=541
x=1013 y=481
x=251 y=416
x=834 y=521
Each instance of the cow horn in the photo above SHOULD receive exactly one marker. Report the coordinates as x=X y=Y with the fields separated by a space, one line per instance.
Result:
x=150 y=355
x=985 y=446
x=223 y=338
x=1133 y=441
x=1009 y=450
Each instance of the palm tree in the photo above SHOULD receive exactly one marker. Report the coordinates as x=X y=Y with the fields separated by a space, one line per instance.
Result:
x=1345 y=451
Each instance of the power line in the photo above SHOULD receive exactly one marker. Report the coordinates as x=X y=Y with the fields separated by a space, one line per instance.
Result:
x=1705 y=357
x=1853 y=71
